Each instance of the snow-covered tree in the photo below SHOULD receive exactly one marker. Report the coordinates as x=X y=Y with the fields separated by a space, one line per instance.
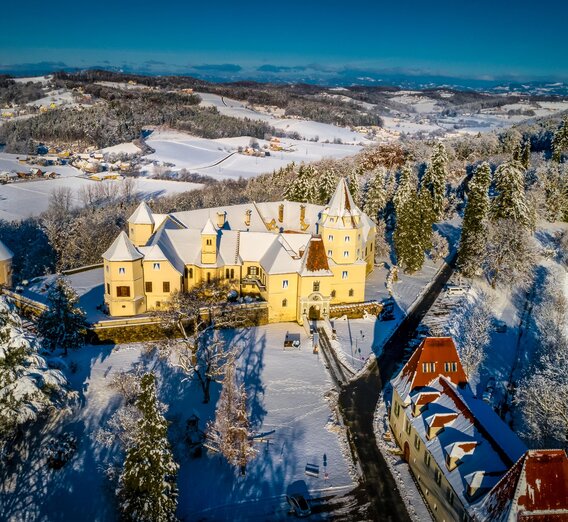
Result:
x=147 y=487
x=327 y=184
x=408 y=235
x=230 y=431
x=354 y=183
x=28 y=387
x=474 y=229
x=303 y=187
x=510 y=201
x=435 y=179
x=510 y=255
x=375 y=194
x=470 y=326
x=543 y=394
x=407 y=186
x=63 y=324
x=525 y=158
x=560 y=141
x=440 y=247
x=382 y=248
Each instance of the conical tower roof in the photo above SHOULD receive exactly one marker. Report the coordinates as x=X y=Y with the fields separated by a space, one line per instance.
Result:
x=122 y=249
x=342 y=203
x=209 y=228
x=142 y=215
x=5 y=252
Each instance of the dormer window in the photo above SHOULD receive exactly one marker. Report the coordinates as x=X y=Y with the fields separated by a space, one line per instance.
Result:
x=428 y=367
x=450 y=367
x=156 y=266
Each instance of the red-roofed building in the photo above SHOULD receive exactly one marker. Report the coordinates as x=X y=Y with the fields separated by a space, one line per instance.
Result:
x=535 y=489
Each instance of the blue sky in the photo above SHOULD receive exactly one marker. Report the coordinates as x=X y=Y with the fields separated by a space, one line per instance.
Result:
x=497 y=38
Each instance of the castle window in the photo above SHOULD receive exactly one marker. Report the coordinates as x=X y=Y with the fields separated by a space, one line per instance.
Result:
x=284 y=303
x=333 y=293
x=346 y=253
x=396 y=409
x=208 y=277
x=148 y=287
x=417 y=442
x=429 y=367
x=232 y=273
x=190 y=273
x=208 y=242
x=438 y=476
x=407 y=427
x=316 y=286
x=156 y=266
x=351 y=292
x=344 y=274
x=122 y=291
x=330 y=237
x=450 y=497
x=285 y=283
x=107 y=268
x=427 y=458
x=347 y=239
x=252 y=270
x=329 y=253
x=108 y=288
x=121 y=270
x=166 y=287
x=227 y=273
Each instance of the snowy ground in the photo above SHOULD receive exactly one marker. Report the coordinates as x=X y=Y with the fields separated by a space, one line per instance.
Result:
x=220 y=159
x=30 y=198
x=307 y=129
x=287 y=393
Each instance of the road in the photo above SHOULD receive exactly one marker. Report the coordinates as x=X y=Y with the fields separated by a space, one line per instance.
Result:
x=358 y=400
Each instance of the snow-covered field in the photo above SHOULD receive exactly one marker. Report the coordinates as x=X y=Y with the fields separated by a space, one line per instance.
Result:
x=220 y=159
x=30 y=198
x=287 y=394
x=308 y=130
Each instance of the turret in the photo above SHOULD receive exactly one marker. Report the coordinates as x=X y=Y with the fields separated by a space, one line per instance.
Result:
x=141 y=225
x=209 y=244
x=341 y=227
x=124 y=278
x=5 y=265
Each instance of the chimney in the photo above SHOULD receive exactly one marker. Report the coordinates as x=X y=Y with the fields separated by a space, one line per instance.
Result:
x=302 y=213
x=248 y=215
x=281 y=212
x=221 y=219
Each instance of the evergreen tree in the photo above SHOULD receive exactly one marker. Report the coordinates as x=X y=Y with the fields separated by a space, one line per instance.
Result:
x=426 y=219
x=327 y=184
x=147 y=486
x=408 y=235
x=474 y=229
x=510 y=201
x=435 y=179
x=525 y=158
x=303 y=187
x=230 y=430
x=375 y=195
x=407 y=184
x=63 y=324
x=560 y=141
x=354 y=184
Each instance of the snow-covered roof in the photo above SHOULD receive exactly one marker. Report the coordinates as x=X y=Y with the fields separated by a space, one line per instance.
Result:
x=209 y=229
x=122 y=249
x=5 y=252
x=142 y=215
x=314 y=261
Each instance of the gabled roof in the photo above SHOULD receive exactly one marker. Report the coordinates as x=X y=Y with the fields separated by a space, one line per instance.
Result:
x=315 y=259
x=5 y=252
x=122 y=249
x=433 y=350
x=142 y=215
x=534 y=489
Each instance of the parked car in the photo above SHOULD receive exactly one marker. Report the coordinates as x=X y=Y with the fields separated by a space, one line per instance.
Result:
x=489 y=390
x=299 y=505
x=455 y=290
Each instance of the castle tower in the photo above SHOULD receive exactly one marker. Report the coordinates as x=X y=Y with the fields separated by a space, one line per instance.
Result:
x=124 y=278
x=341 y=227
x=5 y=265
x=209 y=244
x=141 y=225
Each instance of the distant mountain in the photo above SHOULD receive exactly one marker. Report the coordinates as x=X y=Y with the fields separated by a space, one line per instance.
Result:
x=312 y=74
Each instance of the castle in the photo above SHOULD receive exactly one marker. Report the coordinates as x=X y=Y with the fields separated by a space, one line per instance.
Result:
x=5 y=265
x=298 y=258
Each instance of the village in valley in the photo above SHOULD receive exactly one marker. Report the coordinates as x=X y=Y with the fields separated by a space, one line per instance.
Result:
x=261 y=300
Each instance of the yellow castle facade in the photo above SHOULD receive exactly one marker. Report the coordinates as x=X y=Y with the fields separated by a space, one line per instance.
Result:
x=299 y=258
x=5 y=266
